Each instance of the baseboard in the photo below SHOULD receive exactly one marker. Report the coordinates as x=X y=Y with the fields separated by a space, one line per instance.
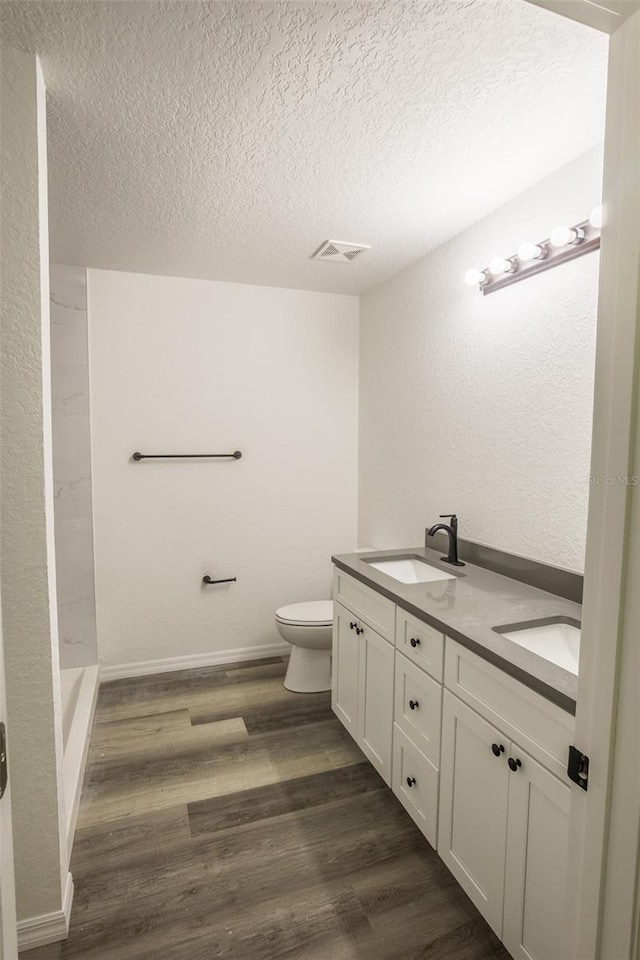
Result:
x=142 y=668
x=48 y=927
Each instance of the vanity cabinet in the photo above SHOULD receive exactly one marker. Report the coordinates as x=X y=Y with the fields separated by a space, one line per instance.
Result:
x=416 y=744
x=477 y=758
x=363 y=668
x=418 y=708
x=417 y=720
x=472 y=834
x=420 y=643
x=504 y=817
x=375 y=701
x=344 y=669
x=537 y=862
x=415 y=784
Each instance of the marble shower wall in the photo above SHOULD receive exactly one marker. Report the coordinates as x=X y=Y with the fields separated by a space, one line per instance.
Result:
x=72 y=467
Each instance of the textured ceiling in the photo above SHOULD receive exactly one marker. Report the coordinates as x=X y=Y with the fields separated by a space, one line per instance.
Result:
x=227 y=140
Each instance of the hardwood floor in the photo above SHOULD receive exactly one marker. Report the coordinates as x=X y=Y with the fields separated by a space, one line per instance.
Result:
x=224 y=817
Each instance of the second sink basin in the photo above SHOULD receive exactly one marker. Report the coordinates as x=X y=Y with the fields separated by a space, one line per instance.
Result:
x=410 y=570
x=557 y=639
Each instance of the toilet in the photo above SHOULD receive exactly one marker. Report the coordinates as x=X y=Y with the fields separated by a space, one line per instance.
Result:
x=307 y=627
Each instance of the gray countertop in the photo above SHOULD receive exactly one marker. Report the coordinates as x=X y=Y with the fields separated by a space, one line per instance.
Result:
x=468 y=607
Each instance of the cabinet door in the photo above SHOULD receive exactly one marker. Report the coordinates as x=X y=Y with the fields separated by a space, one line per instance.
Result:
x=344 y=669
x=375 y=701
x=474 y=785
x=537 y=861
x=418 y=707
x=415 y=784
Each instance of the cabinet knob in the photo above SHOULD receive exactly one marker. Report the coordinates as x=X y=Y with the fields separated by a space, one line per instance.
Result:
x=359 y=630
x=514 y=764
x=352 y=626
x=497 y=749
x=413 y=704
x=415 y=642
x=411 y=781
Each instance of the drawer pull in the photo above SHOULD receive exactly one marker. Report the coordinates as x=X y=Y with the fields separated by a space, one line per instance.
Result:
x=497 y=750
x=413 y=704
x=514 y=764
x=411 y=781
x=415 y=642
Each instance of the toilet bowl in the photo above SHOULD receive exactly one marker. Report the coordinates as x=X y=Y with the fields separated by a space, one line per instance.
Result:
x=307 y=627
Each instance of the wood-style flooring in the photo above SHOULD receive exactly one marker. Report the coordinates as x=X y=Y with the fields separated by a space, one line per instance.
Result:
x=225 y=817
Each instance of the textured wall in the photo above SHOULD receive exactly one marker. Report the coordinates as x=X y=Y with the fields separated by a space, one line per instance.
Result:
x=26 y=504
x=482 y=405
x=200 y=366
x=72 y=467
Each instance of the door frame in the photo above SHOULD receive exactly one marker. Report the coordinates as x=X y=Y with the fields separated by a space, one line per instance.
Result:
x=603 y=882
x=8 y=919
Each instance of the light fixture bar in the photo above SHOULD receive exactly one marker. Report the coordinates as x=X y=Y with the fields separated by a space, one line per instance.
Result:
x=587 y=239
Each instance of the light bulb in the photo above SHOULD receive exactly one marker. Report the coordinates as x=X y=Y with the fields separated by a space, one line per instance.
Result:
x=530 y=251
x=563 y=236
x=499 y=265
x=473 y=276
x=597 y=217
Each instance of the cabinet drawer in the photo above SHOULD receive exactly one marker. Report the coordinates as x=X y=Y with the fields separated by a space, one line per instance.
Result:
x=421 y=643
x=415 y=784
x=539 y=726
x=365 y=603
x=418 y=707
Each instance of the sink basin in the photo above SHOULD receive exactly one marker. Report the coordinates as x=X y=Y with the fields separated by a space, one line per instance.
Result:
x=557 y=639
x=410 y=570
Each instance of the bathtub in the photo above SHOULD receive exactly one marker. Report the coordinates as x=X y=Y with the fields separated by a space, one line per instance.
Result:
x=79 y=690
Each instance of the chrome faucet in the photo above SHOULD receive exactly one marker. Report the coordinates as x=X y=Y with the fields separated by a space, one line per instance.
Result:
x=452 y=533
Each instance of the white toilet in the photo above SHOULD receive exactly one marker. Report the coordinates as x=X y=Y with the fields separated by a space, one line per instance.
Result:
x=307 y=627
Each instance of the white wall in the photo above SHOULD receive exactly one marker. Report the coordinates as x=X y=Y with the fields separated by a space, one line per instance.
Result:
x=72 y=467
x=200 y=366
x=482 y=406
x=28 y=566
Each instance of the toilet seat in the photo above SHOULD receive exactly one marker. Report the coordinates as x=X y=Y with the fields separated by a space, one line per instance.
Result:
x=312 y=613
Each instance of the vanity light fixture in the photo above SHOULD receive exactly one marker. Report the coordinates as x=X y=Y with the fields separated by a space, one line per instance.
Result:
x=499 y=266
x=596 y=218
x=563 y=236
x=532 y=251
x=564 y=243
x=474 y=276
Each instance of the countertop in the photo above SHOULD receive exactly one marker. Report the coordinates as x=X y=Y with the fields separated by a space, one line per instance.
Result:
x=468 y=607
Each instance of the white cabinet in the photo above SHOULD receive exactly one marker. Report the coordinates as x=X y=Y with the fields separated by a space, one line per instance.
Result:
x=504 y=832
x=416 y=744
x=422 y=644
x=479 y=766
x=542 y=728
x=368 y=606
x=415 y=784
x=417 y=720
x=537 y=861
x=362 y=670
x=474 y=783
x=345 y=665
x=418 y=708
x=375 y=704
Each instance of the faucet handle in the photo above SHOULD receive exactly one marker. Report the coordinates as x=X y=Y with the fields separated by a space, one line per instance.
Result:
x=448 y=516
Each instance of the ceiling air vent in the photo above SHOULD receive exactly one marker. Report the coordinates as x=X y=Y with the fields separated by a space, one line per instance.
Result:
x=338 y=251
